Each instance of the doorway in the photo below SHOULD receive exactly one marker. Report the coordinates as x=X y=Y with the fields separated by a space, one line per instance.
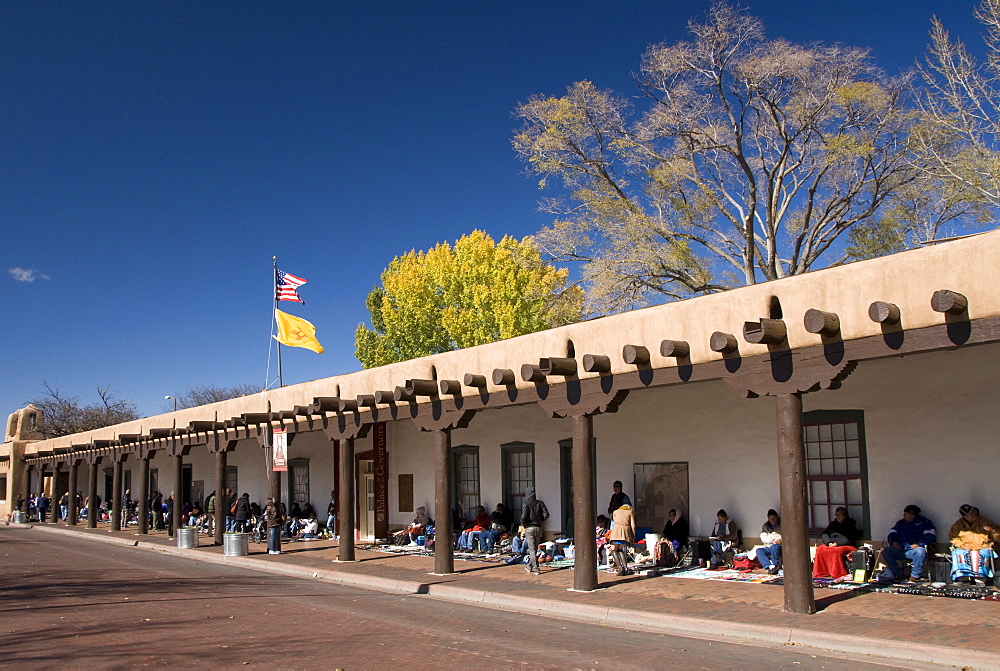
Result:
x=366 y=482
x=658 y=488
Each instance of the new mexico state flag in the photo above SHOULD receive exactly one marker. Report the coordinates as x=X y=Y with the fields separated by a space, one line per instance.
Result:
x=296 y=332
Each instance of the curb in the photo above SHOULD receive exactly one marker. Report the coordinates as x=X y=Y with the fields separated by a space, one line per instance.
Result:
x=691 y=627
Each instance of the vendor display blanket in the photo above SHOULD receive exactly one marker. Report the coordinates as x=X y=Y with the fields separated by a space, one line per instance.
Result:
x=920 y=589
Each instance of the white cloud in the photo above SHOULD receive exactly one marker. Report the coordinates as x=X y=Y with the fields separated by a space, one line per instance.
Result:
x=26 y=275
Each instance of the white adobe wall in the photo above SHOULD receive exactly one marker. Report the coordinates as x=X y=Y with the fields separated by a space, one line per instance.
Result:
x=932 y=424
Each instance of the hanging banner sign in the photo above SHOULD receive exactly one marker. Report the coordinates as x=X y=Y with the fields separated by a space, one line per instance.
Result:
x=280 y=450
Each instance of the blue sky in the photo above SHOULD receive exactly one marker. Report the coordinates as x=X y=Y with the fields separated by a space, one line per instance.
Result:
x=156 y=155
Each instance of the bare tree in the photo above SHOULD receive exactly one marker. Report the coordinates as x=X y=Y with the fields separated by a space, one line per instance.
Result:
x=205 y=394
x=961 y=106
x=751 y=160
x=64 y=415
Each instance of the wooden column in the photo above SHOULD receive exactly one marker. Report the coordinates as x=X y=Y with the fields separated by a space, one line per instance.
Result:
x=585 y=564
x=175 y=514
x=116 y=495
x=71 y=508
x=143 y=507
x=794 y=514
x=56 y=495
x=274 y=484
x=444 y=544
x=27 y=484
x=345 y=501
x=92 y=497
x=221 y=463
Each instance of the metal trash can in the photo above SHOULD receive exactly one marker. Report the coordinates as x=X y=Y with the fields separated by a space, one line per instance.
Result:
x=236 y=545
x=19 y=517
x=187 y=538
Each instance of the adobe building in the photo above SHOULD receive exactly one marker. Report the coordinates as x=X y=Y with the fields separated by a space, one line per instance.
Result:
x=870 y=385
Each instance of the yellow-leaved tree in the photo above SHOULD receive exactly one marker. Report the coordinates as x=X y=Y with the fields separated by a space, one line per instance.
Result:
x=472 y=293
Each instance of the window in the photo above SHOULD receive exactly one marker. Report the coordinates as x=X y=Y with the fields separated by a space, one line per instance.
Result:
x=299 y=480
x=566 y=481
x=465 y=475
x=406 y=492
x=518 y=474
x=231 y=478
x=836 y=466
x=3 y=488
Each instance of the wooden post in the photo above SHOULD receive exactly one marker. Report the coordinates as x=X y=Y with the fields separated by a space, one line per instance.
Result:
x=92 y=497
x=794 y=514
x=28 y=468
x=221 y=463
x=116 y=495
x=444 y=550
x=143 y=504
x=71 y=507
x=56 y=496
x=346 y=501
x=175 y=514
x=585 y=564
x=273 y=484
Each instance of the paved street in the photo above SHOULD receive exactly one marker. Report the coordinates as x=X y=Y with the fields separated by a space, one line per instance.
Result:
x=108 y=606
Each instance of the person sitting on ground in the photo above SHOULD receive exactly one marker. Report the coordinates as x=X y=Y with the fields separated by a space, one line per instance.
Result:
x=308 y=530
x=618 y=499
x=601 y=533
x=500 y=523
x=418 y=525
x=908 y=539
x=676 y=529
x=724 y=539
x=194 y=517
x=308 y=513
x=972 y=537
x=481 y=523
x=769 y=556
x=840 y=539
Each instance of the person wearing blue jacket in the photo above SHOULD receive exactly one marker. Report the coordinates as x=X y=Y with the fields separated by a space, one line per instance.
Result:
x=908 y=539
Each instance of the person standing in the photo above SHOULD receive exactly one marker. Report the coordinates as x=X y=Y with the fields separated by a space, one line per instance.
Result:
x=618 y=499
x=242 y=513
x=156 y=505
x=533 y=516
x=230 y=499
x=274 y=520
x=210 y=512
x=64 y=506
x=331 y=515
x=42 y=503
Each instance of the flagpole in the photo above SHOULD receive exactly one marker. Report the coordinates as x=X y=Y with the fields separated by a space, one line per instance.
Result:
x=275 y=316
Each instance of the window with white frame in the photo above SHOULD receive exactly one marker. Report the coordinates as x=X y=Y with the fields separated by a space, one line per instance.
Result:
x=518 y=474
x=836 y=466
x=298 y=470
x=465 y=464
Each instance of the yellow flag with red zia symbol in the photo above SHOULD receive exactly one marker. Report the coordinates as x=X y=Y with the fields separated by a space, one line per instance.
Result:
x=296 y=332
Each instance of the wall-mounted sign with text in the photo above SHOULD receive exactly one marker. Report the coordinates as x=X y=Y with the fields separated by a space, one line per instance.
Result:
x=280 y=450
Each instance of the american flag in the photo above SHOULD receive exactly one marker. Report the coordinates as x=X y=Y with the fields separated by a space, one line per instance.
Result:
x=287 y=285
